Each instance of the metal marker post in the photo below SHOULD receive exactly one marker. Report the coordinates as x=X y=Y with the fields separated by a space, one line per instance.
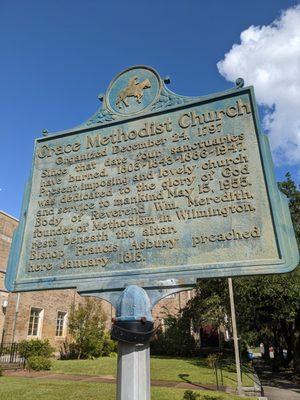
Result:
x=133 y=328
x=235 y=338
x=133 y=374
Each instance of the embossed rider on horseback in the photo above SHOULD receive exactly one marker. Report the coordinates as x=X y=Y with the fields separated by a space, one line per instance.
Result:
x=133 y=89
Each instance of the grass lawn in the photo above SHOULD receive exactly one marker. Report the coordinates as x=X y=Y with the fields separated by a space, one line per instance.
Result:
x=42 y=389
x=162 y=368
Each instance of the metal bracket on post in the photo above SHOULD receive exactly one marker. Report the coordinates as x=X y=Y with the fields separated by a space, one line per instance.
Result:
x=133 y=328
x=133 y=322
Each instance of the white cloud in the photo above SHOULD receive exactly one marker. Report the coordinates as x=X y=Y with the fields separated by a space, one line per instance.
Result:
x=268 y=58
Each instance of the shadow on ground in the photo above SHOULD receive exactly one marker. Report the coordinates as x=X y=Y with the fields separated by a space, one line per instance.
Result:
x=280 y=380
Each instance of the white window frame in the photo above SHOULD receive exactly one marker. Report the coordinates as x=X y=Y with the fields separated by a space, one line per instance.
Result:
x=64 y=327
x=39 y=325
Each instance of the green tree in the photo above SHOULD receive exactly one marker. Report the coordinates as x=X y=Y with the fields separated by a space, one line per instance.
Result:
x=87 y=328
x=267 y=311
x=176 y=338
x=289 y=188
x=267 y=307
x=210 y=305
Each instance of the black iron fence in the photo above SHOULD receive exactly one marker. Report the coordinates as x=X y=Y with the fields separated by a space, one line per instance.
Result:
x=9 y=354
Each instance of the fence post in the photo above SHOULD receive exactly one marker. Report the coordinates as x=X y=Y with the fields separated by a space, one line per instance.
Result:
x=11 y=353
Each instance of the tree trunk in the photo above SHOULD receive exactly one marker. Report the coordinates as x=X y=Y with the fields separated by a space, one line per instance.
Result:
x=296 y=358
x=266 y=353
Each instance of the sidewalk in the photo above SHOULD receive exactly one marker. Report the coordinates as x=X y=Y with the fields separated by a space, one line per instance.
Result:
x=277 y=386
x=110 y=379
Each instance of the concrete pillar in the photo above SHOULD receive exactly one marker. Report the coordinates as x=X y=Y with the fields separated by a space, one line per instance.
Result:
x=133 y=376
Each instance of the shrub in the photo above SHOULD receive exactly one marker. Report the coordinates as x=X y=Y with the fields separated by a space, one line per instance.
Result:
x=1 y=371
x=109 y=346
x=213 y=360
x=68 y=351
x=190 y=395
x=35 y=347
x=38 y=363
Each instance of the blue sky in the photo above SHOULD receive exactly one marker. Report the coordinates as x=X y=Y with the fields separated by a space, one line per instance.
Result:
x=57 y=56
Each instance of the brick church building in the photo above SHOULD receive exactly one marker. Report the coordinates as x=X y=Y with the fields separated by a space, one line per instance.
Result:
x=44 y=314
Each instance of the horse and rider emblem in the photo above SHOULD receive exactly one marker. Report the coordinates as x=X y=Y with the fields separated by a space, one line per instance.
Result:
x=133 y=89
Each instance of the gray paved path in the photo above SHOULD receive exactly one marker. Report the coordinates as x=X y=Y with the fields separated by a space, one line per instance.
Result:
x=277 y=386
x=275 y=393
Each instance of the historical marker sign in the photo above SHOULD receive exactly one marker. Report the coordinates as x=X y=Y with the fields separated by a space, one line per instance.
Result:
x=153 y=187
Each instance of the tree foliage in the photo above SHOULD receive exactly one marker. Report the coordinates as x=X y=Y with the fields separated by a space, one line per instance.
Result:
x=289 y=188
x=268 y=311
x=87 y=329
x=210 y=305
x=35 y=347
x=175 y=339
x=267 y=307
